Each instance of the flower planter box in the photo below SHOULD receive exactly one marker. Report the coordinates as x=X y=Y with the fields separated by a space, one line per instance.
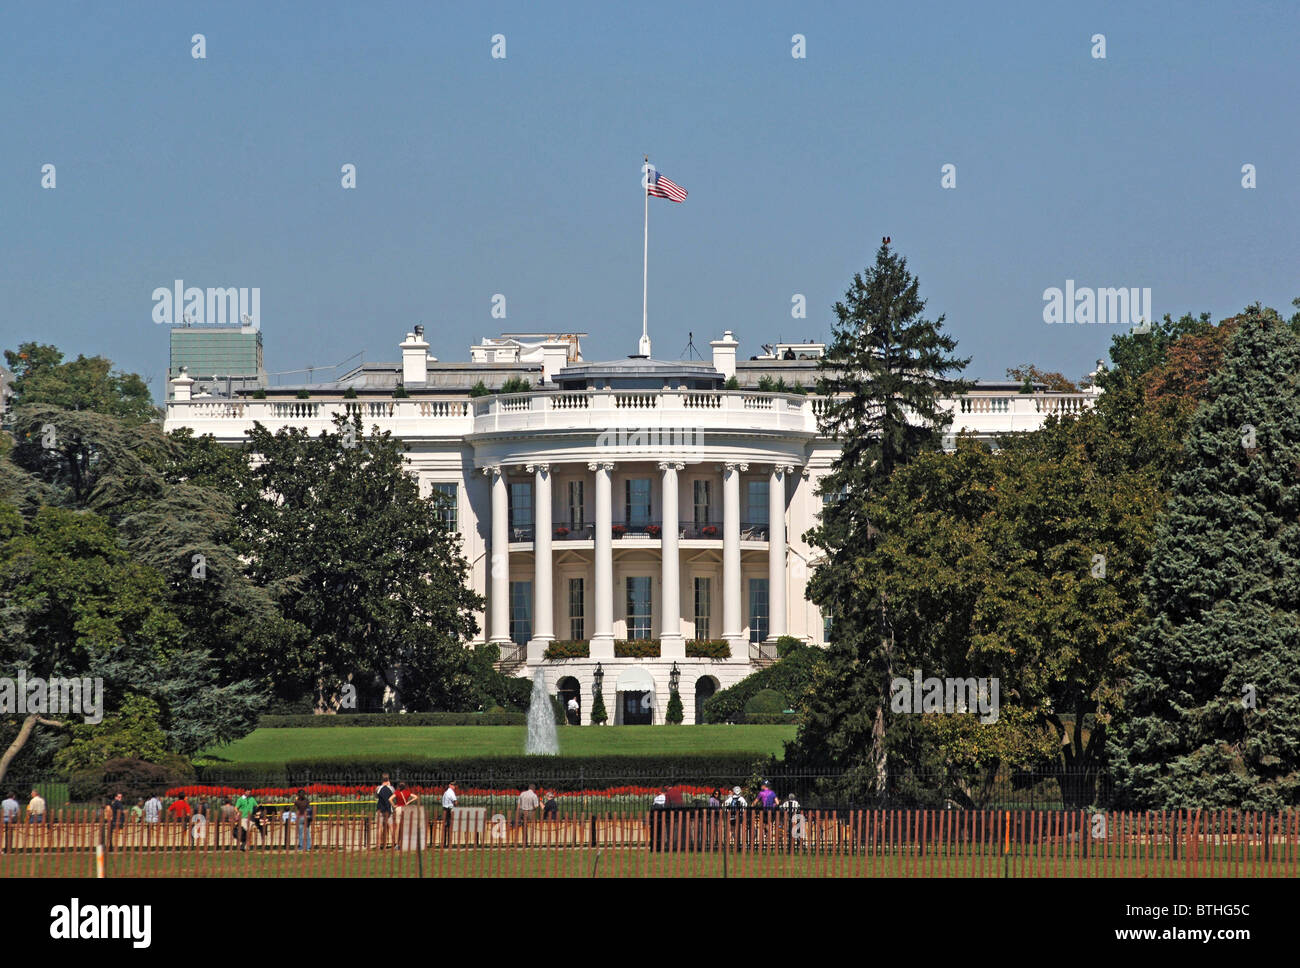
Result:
x=709 y=531
x=636 y=649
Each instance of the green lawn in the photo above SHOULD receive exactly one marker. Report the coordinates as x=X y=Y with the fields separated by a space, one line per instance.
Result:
x=278 y=745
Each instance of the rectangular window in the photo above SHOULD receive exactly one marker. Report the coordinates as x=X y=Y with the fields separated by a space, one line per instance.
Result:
x=446 y=495
x=757 y=495
x=638 y=502
x=577 y=611
x=521 y=505
x=702 y=503
x=521 y=612
x=757 y=609
x=576 y=519
x=703 y=606
x=638 y=608
x=826 y=626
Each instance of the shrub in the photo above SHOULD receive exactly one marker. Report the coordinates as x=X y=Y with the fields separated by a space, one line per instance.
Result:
x=598 y=714
x=400 y=393
x=495 y=716
x=675 y=714
x=303 y=395
x=259 y=394
x=771 y=719
x=516 y=384
x=130 y=777
x=791 y=676
x=567 y=650
x=787 y=644
x=731 y=384
x=764 y=701
x=708 y=649
x=479 y=389
x=557 y=708
x=636 y=648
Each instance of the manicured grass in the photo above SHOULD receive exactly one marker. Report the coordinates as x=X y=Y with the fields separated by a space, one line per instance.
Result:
x=278 y=745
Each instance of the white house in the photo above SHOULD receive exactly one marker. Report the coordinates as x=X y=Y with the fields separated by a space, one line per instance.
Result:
x=616 y=505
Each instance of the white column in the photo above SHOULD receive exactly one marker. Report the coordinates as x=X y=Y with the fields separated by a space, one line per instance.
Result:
x=776 y=583
x=732 y=627
x=672 y=644
x=499 y=563
x=602 y=642
x=543 y=590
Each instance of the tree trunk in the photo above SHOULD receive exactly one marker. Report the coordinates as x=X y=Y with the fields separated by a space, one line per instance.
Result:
x=24 y=734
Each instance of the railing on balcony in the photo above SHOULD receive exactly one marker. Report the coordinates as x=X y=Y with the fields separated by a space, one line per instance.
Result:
x=753 y=531
x=637 y=529
x=574 y=532
x=702 y=530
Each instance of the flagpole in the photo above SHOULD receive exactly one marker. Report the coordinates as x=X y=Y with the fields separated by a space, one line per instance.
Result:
x=644 y=347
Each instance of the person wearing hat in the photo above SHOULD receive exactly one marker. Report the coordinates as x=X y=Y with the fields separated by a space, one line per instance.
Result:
x=736 y=800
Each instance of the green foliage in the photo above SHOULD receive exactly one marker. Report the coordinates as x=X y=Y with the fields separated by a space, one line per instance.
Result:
x=786 y=644
x=86 y=384
x=259 y=394
x=479 y=389
x=1212 y=718
x=767 y=385
x=708 y=649
x=636 y=648
x=886 y=373
x=400 y=392
x=567 y=649
x=131 y=733
x=674 y=714
x=793 y=676
x=557 y=708
x=303 y=395
x=134 y=779
x=598 y=713
x=338 y=526
x=731 y=384
x=1051 y=380
x=771 y=719
x=559 y=772
x=350 y=393
x=516 y=384
x=765 y=701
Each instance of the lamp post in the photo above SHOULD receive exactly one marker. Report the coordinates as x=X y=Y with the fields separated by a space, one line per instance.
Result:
x=674 y=678
x=599 y=677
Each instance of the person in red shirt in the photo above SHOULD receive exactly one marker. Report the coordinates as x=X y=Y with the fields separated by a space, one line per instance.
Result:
x=401 y=799
x=181 y=810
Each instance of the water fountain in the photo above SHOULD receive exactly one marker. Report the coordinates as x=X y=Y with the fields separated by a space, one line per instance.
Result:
x=542 y=740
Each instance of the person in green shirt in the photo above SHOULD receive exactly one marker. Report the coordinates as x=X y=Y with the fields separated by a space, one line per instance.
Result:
x=246 y=805
x=137 y=812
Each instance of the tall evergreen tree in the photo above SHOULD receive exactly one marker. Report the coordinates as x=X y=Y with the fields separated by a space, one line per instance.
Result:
x=885 y=373
x=1212 y=715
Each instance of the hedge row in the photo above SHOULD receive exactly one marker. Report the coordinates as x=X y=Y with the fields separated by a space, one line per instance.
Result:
x=571 y=649
x=557 y=772
x=636 y=648
x=708 y=649
x=770 y=719
x=396 y=719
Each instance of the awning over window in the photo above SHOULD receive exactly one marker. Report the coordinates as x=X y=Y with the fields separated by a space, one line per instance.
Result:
x=635 y=679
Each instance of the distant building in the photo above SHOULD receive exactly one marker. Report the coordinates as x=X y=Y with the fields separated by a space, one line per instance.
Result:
x=637 y=510
x=222 y=360
x=6 y=393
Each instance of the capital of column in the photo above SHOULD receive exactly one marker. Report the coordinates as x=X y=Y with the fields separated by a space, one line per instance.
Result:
x=533 y=468
x=671 y=465
x=600 y=465
x=492 y=470
x=783 y=469
x=735 y=466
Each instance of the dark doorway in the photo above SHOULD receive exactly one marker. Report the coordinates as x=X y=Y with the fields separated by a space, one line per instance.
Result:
x=637 y=710
x=569 y=691
x=705 y=688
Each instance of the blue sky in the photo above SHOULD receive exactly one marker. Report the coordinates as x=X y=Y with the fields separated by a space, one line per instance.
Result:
x=520 y=176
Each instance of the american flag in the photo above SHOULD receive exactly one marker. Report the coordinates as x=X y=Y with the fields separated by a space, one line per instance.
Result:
x=660 y=187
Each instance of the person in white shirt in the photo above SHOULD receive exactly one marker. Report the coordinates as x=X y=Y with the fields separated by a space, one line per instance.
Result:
x=575 y=711
x=448 y=811
x=152 y=809
x=528 y=802
x=198 y=827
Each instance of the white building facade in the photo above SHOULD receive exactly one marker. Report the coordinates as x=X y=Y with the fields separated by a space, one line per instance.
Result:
x=634 y=525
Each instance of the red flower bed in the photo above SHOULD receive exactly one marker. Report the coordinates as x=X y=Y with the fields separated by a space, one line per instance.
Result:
x=367 y=790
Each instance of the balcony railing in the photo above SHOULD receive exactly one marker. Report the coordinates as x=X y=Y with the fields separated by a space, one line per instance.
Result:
x=625 y=419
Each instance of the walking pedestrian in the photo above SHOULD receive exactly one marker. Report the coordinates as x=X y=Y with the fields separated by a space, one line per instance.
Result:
x=152 y=809
x=247 y=806
x=306 y=813
x=401 y=800
x=528 y=802
x=36 y=808
x=10 y=809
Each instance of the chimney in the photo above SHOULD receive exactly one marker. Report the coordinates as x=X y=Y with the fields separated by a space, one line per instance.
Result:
x=555 y=357
x=415 y=358
x=724 y=355
x=181 y=386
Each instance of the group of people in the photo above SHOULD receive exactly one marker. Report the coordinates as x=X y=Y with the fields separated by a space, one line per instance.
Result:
x=766 y=799
x=11 y=810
